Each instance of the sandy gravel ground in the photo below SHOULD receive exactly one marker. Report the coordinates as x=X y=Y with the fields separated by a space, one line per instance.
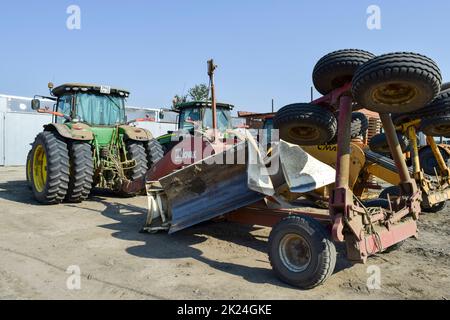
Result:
x=210 y=261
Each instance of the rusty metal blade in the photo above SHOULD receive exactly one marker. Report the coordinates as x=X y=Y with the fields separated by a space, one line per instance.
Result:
x=206 y=190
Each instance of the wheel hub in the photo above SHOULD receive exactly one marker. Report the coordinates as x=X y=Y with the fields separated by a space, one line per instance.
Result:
x=304 y=133
x=295 y=252
x=394 y=94
x=39 y=168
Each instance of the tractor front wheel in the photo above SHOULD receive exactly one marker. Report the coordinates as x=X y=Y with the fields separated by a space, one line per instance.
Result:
x=136 y=152
x=301 y=252
x=81 y=171
x=49 y=168
x=155 y=152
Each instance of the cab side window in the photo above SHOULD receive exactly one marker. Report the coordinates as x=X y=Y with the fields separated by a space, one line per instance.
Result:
x=65 y=107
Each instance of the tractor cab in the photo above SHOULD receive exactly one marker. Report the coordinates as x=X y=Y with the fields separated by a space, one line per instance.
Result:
x=90 y=104
x=198 y=114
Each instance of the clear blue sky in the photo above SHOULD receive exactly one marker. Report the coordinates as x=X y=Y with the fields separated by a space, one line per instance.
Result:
x=156 y=49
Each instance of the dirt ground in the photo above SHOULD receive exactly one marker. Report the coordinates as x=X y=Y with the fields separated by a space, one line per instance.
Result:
x=217 y=260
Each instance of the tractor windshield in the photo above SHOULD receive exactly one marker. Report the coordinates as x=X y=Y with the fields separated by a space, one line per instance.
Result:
x=223 y=119
x=100 y=110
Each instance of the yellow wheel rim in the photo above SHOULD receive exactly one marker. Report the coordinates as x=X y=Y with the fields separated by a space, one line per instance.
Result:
x=39 y=168
x=394 y=94
x=29 y=169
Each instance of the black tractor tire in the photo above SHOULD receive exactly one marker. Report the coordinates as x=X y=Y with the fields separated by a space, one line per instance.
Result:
x=337 y=68
x=135 y=151
x=155 y=152
x=360 y=125
x=305 y=124
x=81 y=171
x=428 y=162
x=438 y=126
x=393 y=191
x=397 y=82
x=379 y=143
x=28 y=170
x=304 y=234
x=53 y=188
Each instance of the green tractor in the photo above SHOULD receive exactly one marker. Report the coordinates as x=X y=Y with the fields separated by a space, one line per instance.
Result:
x=89 y=144
x=197 y=115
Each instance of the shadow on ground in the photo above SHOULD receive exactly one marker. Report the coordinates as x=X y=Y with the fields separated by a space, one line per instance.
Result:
x=181 y=244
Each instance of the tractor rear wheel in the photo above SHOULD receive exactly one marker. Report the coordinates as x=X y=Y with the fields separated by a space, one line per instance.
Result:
x=337 y=68
x=301 y=252
x=50 y=168
x=81 y=171
x=400 y=82
x=305 y=124
x=155 y=152
x=379 y=143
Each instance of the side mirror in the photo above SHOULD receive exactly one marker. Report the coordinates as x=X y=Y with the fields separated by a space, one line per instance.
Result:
x=35 y=104
x=161 y=115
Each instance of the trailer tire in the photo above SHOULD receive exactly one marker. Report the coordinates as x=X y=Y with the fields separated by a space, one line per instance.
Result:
x=400 y=82
x=379 y=143
x=305 y=124
x=337 y=68
x=391 y=191
x=50 y=168
x=436 y=208
x=445 y=86
x=155 y=152
x=360 y=125
x=81 y=171
x=438 y=126
x=310 y=237
x=428 y=162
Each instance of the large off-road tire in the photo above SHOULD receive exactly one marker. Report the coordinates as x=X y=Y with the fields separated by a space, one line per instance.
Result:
x=379 y=143
x=50 y=168
x=301 y=252
x=436 y=208
x=28 y=170
x=397 y=82
x=155 y=152
x=135 y=151
x=81 y=171
x=438 y=126
x=305 y=124
x=428 y=161
x=445 y=86
x=337 y=68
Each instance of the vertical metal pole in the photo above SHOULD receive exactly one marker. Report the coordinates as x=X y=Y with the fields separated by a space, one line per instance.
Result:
x=395 y=147
x=344 y=135
x=211 y=68
x=273 y=106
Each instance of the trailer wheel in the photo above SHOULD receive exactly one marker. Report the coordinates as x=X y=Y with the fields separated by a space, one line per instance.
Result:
x=301 y=252
x=393 y=191
x=379 y=143
x=305 y=124
x=50 y=168
x=28 y=170
x=436 y=126
x=337 y=68
x=155 y=152
x=445 y=86
x=436 y=208
x=428 y=162
x=400 y=82
x=81 y=171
